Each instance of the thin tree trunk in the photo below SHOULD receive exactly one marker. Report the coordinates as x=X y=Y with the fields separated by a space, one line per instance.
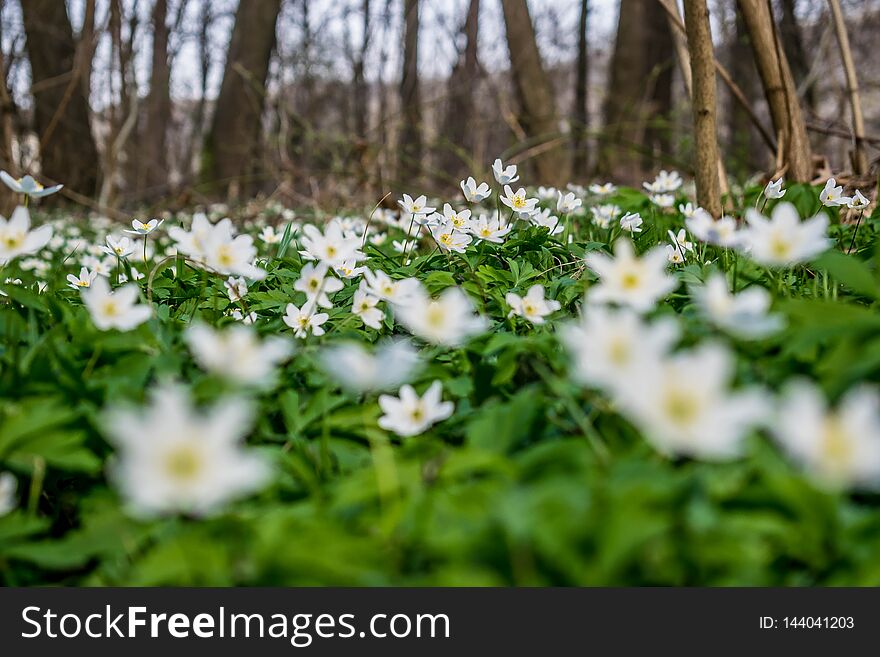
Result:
x=640 y=80
x=154 y=161
x=359 y=82
x=581 y=113
x=776 y=77
x=699 y=38
x=457 y=134
x=61 y=111
x=793 y=44
x=679 y=40
x=231 y=153
x=859 y=159
x=409 y=149
x=535 y=93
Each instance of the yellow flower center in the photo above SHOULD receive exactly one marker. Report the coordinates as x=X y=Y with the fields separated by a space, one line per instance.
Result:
x=681 y=408
x=630 y=280
x=183 y=463
x=836 y=445
x=110 y=308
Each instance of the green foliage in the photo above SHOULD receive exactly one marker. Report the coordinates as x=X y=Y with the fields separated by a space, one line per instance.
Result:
x=532 y=481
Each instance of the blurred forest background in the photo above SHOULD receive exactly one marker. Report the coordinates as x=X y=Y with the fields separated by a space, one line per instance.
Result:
x=142 y=104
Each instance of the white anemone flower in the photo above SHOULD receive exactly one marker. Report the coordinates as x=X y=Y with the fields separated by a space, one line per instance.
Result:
x=117 y=309
x=17 y=238
x=391 y=364
x=832 y=195
x=140 y=228
x=451 y=239
x=487 y=229
x=409 y=415
x=448 y=320
x=610 y=346
x=567 y=203
x=685 y=407
x=473 y=192
x=784 y=240
x=364 y=304
x=840 y=448
x=774 y=190
x=28 y=186
x=629 y=280
x=304 y=320
x=236 y=353
x=85 y=279
x=316 y=284
x=744 y=315
x=518 y=202
x=533 y=306
x=632 y=222
x=192 y=462
x=504 y=175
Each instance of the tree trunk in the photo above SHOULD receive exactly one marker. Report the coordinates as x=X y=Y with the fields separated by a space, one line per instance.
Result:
x=61 y=110
x=793 y=44
x=640 y=91
x=699 y=38
x=154 y=161
x=535 y=94
x=859 y=159
x=580 y=116
x=410 y=143
x=741 y=134
x=231 y=154
x=776 y=77
x=457 y=134
x=359 y=81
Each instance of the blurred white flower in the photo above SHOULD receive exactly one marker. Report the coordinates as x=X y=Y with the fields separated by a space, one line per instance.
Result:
x=629 y=280
x=784 y=240
x=364 y=306
x=610 y=346
x=665 y=182
x=631 y=222
x=114 y=309
x=305 y=320
x=8 y=499
x=533 y=307
x=859 y=201
x=174 y=459
x=17 y=238
x=688 y=210
x=237 y=315
x=744 y=315
x=380 y=285
x=605 y=189
x=567 y=203
x=662 y=200
x=685 y=407
x=236 y=288
x=392 y=363
x=236 y=353
x=448 y=320
x=832 y=194
x=503 y=175
x=774 y=190
x=723 y=232
x=840 y=447
x=409 y=415
x=316 y=284
x=475 y=193
x=270 y=236
x=28 y=186
x=603 y=215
